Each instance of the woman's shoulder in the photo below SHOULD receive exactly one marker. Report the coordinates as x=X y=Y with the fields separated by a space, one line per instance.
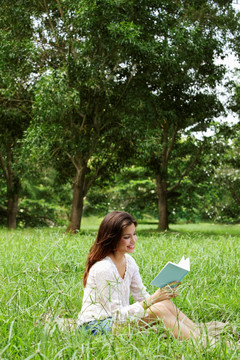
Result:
x=102 y=265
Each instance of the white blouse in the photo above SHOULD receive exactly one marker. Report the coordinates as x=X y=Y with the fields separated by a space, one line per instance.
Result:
x=107 y=295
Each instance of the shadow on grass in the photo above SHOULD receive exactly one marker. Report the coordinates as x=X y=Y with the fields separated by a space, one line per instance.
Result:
x=145 y=227
x=207 y=229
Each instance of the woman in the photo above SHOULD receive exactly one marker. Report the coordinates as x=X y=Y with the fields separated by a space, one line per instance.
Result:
x=111 y=274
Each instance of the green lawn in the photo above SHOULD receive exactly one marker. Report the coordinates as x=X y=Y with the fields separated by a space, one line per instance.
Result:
x=41 y=269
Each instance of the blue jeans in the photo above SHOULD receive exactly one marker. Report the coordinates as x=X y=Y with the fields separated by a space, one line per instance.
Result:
x=98 y=327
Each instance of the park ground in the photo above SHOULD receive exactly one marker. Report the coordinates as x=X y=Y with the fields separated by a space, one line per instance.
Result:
x=41 y=269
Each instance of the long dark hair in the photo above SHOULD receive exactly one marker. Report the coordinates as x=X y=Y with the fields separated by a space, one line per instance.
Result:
x=108 y=237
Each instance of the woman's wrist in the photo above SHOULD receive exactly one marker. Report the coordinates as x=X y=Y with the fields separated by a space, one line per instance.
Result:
x=147 y=303
x=144 y=304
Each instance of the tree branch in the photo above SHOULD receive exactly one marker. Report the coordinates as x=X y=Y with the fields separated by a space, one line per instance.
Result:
x=187 y=171
x=28 y=113
x=83 y=122
x=15 y=100
x=95 y=176
x=50 y=22
x=60 y=10
x=126 y=87
x=234 y=193
x=73 y=161
x=112 y=73
x=79 y=112
x=3 y=166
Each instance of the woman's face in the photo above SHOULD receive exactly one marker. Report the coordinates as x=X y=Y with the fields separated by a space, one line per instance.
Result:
x=128 y=240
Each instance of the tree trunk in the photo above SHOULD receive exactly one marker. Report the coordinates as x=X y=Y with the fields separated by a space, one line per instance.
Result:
x=162 y=203
x=12 y=211
x=13 y=187
x=13 y=195
x=77 y=202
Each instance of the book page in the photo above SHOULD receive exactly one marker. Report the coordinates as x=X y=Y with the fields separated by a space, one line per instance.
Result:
x=184 y=263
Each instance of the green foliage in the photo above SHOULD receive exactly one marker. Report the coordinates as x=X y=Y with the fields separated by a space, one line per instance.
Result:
x=131 y=190
x=222 y=198
x=43 y=201
x=208 y=193
x=16 y=68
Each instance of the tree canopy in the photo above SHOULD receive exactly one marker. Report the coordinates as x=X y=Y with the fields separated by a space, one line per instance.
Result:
x=96 y=85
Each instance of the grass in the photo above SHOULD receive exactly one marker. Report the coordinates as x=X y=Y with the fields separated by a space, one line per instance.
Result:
x=41 y=269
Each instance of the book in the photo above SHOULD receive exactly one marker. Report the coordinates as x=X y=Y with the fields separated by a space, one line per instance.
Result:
x=172 y=272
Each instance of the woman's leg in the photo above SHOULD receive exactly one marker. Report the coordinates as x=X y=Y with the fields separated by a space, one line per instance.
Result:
x=173 y=319
x=180 y=315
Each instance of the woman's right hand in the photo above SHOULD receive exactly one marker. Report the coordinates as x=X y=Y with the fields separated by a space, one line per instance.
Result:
x=165 y=293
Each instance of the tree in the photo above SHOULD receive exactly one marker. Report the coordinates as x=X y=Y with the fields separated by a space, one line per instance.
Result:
x=89 y=53
x=15 y=99
x=182 y=92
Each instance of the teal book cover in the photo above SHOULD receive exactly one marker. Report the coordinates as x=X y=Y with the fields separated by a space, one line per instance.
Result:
x=172 y=272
